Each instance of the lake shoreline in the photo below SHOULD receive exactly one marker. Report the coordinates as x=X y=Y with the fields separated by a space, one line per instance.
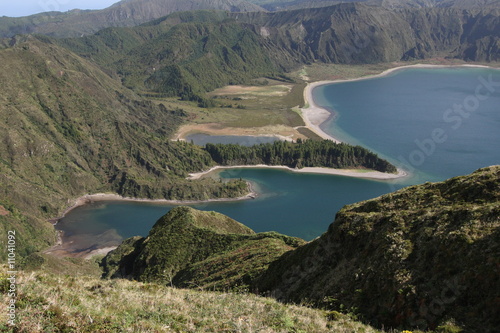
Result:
x=357 y=173
x=314 y=116
x=97 y=197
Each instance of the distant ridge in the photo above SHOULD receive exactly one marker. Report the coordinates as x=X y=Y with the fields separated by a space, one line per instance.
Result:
x=187 y=54
x=122 y=14
x=276 y=5
x=128 y=13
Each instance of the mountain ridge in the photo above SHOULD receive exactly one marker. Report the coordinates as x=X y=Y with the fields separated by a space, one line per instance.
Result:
x=280 y=5
x=77 y=23
x=425 y=257
x=188 y=247
x=188 y=54
x=416 y=258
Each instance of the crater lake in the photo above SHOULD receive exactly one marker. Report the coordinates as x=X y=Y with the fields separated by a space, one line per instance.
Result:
x=435 y=123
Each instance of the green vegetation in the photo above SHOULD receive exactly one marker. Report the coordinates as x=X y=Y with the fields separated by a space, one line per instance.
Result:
x=388 y=261
x=75 y=119
x=68 y=129
x=188 y=54
x=309 y=153
x=190 y=248
x=51 y=302
x=393 y=259
x=264 y=109
x=166 y=58
x=76 y=23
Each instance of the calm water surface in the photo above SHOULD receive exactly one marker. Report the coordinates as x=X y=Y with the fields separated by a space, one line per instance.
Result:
x=417 y=118
x=428 y=120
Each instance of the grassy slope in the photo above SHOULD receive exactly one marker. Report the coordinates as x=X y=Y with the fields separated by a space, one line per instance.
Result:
x=394 y=258
x=57 y=303
x=68 y=129
x=189 y=248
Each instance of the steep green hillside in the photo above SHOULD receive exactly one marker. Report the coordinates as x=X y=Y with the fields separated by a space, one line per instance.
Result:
x=419 y=257
x=190 y=248
x=125 y=13
x=187 y=54
x=68 y=129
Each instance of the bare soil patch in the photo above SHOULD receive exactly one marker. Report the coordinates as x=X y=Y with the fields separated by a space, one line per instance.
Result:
x=272 y=90
x=3 y=211
x=285 y=132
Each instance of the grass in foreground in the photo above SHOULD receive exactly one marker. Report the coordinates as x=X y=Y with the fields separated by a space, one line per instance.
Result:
x=63 y=303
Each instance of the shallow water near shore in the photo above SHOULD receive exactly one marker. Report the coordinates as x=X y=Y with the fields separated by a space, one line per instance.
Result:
x=396 y=116
x=438 y=123
x=288 y=203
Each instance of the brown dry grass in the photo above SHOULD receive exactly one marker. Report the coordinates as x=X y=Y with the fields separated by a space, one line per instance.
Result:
x=57 y=303
x=3 y=211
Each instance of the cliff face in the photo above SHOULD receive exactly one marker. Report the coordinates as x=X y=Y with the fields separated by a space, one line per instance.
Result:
x=187 y=54
x=355 y=33
x=275 y=5
x=413 y=258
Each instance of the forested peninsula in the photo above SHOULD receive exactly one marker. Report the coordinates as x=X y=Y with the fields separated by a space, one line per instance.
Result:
x=303 y=153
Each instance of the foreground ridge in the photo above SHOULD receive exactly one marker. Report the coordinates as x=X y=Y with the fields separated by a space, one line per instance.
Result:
x=418 y=257
x=63 y=303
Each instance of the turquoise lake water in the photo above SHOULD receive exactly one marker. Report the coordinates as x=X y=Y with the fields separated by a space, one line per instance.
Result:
x=436 y=123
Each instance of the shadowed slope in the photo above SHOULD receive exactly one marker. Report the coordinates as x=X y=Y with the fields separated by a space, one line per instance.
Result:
x=416 y=257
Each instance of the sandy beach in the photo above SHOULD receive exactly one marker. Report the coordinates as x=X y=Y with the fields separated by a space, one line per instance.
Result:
x=89 y=198
x=313 y=116
x=64 y=248
x=359 y=173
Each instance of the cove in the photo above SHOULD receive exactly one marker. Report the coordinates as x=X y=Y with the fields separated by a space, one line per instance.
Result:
x=301 y=205
x=388 y=115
